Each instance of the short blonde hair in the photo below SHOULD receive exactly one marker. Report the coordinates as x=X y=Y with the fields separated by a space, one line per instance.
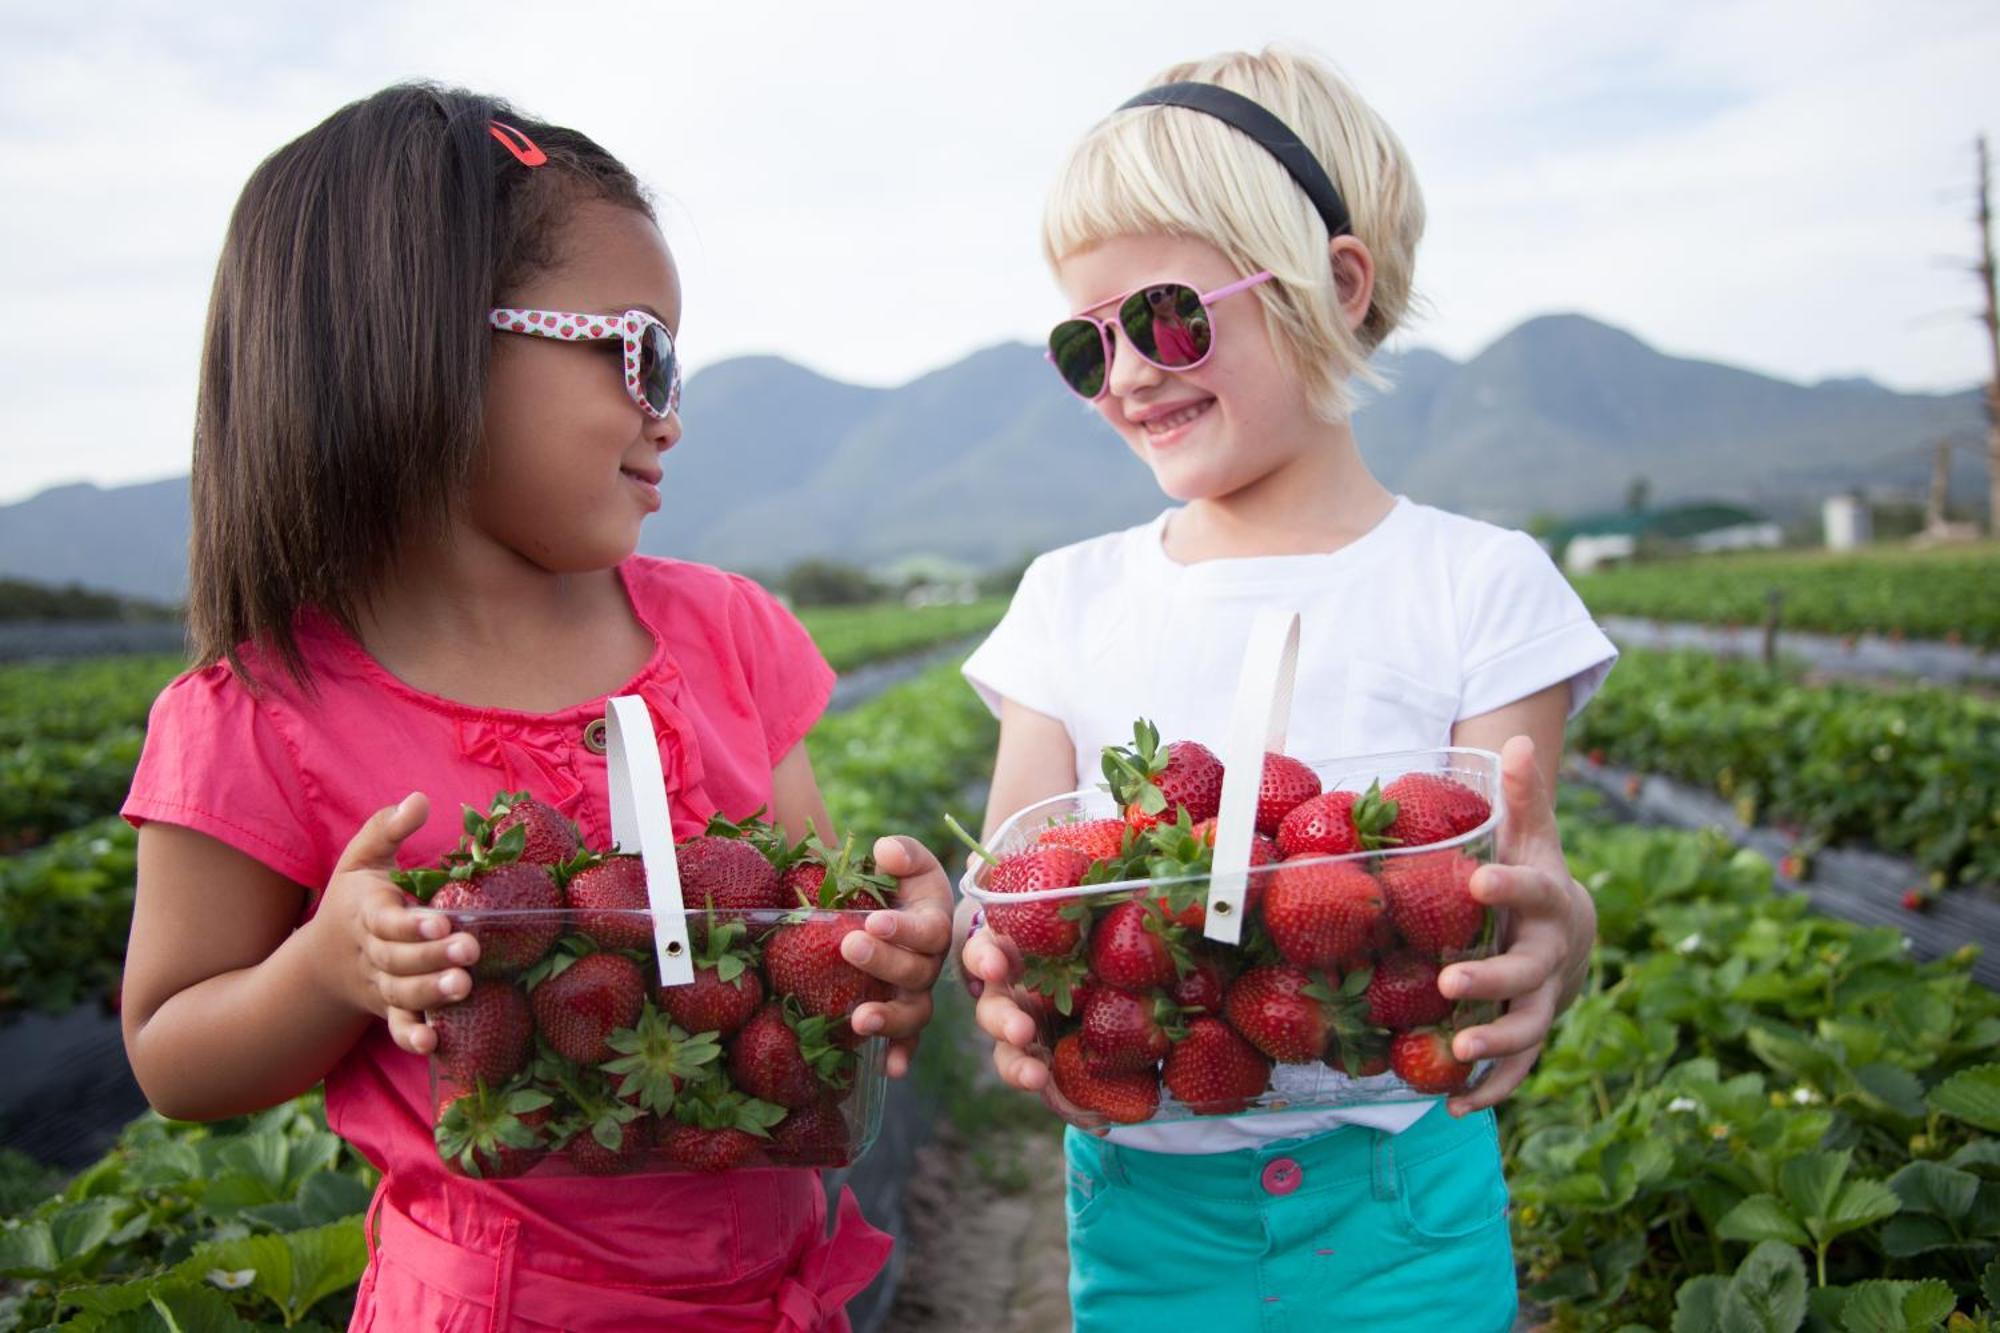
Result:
x=1173 y=171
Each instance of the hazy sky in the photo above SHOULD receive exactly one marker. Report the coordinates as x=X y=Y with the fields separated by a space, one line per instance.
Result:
x=1786 y=186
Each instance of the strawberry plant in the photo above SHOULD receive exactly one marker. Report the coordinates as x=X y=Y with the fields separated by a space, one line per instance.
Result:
x=849 y=637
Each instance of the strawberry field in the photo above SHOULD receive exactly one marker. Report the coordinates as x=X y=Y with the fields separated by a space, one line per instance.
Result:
x=1755 y=1118
x=1938 y=594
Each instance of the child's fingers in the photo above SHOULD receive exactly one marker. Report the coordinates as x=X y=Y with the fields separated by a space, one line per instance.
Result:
x=1522 y=1028
x=897 y=966
x=409 y=1031
x=903 y=1016
x=426 y=991
x=922 y=927
x=988 y=959
x=1018 y=1069
x=412 y=960
x=902 y=1054
x=1499 y=1083
x=1003 y=1020
x=386 y=914
x=1524 y=890
x=905 y=857
x=374 y=844
x=1501 y=977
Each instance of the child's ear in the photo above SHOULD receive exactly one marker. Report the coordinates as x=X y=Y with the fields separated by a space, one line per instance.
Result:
x=1353 y=277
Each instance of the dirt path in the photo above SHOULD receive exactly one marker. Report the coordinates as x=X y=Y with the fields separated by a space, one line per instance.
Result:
x=986 y=1242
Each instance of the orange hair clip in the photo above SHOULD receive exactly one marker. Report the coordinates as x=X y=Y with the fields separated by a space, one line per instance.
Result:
x=520 y=145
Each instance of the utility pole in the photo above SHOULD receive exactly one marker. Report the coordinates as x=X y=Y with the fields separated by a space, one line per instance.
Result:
x=1991 y=318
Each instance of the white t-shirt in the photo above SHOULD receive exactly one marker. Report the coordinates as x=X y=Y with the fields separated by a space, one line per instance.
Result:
x=1426 y=619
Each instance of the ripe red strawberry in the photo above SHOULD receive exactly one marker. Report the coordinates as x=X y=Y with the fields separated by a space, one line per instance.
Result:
x=547 y=838
x=1431 y=902
x=716 y=1128
x=607 y=896
x=1126 y=1099
x=728 y=874
x=1263 y=850
x=613 y=1148
x=490 y=1133
x=1320 y=912
x=1359 y=1051
x=1050 y=928
x=654 y=1058
x=1423 y=1059
x=1060 y=986
x=1403 y=993
x=1181 y=855
x=726 y=989
x=485 y=1038
x=1124 y=1033
x=814 y=1135
x=1431 y=807
x=1335 y=823
x=785 y=1060
x=1214 y=1070
x=1200 y=989
x=1152 y=783
x=1286 y=785
x=1099 y=839
x=803 y=959
x=1284 y=1011
x=506 y=945
x=580 y=1004
x=1134 y=947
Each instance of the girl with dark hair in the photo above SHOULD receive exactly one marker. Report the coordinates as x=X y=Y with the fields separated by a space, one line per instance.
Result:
x=438 y=378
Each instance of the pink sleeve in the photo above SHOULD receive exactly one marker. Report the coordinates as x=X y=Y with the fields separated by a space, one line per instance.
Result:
x=216 y=761
x=789 y=680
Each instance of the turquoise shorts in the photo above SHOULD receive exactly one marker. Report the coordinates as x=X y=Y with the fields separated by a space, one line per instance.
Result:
x=1354 y=1229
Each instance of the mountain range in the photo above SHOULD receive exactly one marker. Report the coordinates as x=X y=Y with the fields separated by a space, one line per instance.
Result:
x=989 y=459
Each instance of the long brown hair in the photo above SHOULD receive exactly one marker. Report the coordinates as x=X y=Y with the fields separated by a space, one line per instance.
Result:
x=343 y=370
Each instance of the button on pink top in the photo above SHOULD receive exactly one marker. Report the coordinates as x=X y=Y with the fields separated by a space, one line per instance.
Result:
x=286 y=777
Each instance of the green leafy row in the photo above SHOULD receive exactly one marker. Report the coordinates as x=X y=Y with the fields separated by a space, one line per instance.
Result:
x=852 y=636
x=65 y=909
x=1937 y=594
x=79 y=701
x=1744 y=1074
x=1913 y=771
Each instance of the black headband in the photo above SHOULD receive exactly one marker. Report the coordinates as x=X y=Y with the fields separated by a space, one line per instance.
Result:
x=1273 y=134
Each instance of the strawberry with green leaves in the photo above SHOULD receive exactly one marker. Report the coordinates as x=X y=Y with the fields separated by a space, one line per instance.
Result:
x=802 y=958
x=717 y=1128
x=487 y=874
x=604 y=1135
x=607 y=898
x=731 y=868
x=491 y=1133
x=1048 y=928
x=1126 y=1099
x=812 y=1135
x=547 y=838
x=1432 y=807
x=1180 y=854
x=1135 y=947
x=783 y=1057
x=1423 y=1059
x=727 y=987
x=1286 y=1012
x=654 y=1059
x=1336 y=823
x=1214 y=1071
x=580 y=999
x=1124 y=1033
x=1152 y=782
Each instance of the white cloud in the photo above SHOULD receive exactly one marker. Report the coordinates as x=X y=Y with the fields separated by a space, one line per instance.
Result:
x=857 y=188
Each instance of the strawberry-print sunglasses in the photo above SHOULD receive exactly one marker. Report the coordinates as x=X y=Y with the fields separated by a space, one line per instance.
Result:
x=1165 y=323
x=652 y=369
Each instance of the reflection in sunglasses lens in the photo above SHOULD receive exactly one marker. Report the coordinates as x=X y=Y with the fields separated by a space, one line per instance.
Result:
x=1078 y=352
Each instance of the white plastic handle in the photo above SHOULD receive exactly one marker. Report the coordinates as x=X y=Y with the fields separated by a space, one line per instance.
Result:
x=640 y=819
x=1257 y=724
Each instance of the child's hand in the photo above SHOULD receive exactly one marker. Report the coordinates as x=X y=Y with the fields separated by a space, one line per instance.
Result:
x=904 y=946
x=991 y=966
x=384 y=956
x=1551 y=925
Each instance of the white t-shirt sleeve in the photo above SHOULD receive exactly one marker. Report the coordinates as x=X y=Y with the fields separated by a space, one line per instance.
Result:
x=1525 y=629
x=1020 y=659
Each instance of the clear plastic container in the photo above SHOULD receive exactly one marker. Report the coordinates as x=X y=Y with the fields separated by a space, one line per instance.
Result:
x=1328 y=999
x=582 y=1063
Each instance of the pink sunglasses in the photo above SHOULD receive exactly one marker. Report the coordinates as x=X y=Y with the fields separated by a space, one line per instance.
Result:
x=1165 y=323
x=652 y=369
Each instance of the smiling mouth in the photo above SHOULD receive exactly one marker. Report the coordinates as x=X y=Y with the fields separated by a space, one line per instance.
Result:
x=1175 y=420
x=649 y=478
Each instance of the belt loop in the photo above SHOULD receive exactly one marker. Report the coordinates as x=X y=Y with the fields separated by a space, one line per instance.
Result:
x=1385 y=1165
x=503 y=1276
x=1113 y=1160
